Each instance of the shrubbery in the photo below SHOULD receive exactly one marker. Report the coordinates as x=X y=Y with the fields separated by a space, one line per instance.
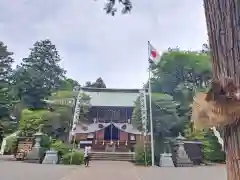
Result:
x=74 y=158
x=45 y=141
x=142 y=156
x=60 y=147
x=212 y=150
x=11 y=145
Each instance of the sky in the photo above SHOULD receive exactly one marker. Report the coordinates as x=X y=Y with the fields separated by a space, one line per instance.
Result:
x=93 y=44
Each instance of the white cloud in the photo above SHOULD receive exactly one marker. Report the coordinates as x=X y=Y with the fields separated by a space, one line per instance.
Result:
x=93 y=44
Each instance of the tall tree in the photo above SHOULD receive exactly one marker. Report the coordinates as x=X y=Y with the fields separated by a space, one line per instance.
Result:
x=99 y=83
x=6 y=61
x=165 y=117
x=180 y=74
x=222 y=100
x=39 y=74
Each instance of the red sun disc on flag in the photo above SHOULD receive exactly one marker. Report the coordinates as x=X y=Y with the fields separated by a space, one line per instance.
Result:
x=154 y=54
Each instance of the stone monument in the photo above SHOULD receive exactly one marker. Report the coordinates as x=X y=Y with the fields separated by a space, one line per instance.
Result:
x=51 y=157
x=182 y=159
x=37 y=153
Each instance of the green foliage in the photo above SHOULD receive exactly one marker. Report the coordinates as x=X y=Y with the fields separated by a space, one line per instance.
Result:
x=31 y=120
x=99 y=83
x=165 y=117
x=84 y=106
x=142 y=155
x=164 y=114
x=8 y=127
x=180 y=74
x=73 y=158
x=68 y=84
x=136 y=115
x=45 y=141
x=11 y=144
x=211 y=148
x=63 y=95
x=176 y=79
x=6 y=61
x=38 y=75
x=61 y=147
x=54 y=122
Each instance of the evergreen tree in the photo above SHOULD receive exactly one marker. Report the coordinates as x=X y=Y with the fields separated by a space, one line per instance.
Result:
x=99 y=83
x=39 y=74
x=5 y=72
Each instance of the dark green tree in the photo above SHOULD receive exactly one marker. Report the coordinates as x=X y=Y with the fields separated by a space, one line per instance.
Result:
x=39 y=74
x=99 y=83
x=165 y=117
x=180 y=74
x=6 y=61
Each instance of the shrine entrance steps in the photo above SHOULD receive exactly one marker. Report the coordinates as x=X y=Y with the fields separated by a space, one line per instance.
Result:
x=113 y=156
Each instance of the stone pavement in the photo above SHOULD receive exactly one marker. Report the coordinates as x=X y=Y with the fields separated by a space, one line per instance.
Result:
x=102 y=170
x=25 y=171
x=183 y=173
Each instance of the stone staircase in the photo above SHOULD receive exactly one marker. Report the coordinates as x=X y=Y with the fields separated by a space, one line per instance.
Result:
x=113 y=156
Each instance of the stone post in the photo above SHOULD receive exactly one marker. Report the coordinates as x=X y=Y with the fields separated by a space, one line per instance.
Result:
x=37 y=152
x=166 y=157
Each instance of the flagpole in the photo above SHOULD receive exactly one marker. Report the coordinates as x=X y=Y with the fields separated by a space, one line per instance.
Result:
x=150 y=108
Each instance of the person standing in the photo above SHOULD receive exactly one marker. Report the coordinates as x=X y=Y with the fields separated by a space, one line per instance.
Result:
x=86 y=156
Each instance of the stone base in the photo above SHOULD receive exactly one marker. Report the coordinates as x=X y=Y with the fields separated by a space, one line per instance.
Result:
x=184 y=162
x=51 y=157
x=166 y=160
x=182 y=158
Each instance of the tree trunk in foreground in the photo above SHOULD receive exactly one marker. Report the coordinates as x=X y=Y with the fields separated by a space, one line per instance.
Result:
x=223 y=24
x=232 y=148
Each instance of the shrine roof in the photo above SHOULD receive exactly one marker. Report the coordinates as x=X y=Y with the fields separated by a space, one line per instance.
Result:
x=112 y=97
x=85 y=129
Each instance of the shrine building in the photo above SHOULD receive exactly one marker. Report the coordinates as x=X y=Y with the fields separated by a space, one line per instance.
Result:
x=108 y=127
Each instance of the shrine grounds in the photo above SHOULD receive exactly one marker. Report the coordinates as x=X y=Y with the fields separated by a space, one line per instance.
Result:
x=102 y=170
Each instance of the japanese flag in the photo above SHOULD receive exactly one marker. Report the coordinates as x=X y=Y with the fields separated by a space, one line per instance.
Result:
x=154 y=56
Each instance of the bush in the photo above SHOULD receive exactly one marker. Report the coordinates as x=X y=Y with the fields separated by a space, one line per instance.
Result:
x=11 y=145
x=142 y=156
x=212 y=150
x=45 y=141
x=76 y=156
x=60 y=147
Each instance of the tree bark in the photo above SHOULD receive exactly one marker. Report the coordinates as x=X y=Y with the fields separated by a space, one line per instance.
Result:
x=232 y=148
x=223 y=24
